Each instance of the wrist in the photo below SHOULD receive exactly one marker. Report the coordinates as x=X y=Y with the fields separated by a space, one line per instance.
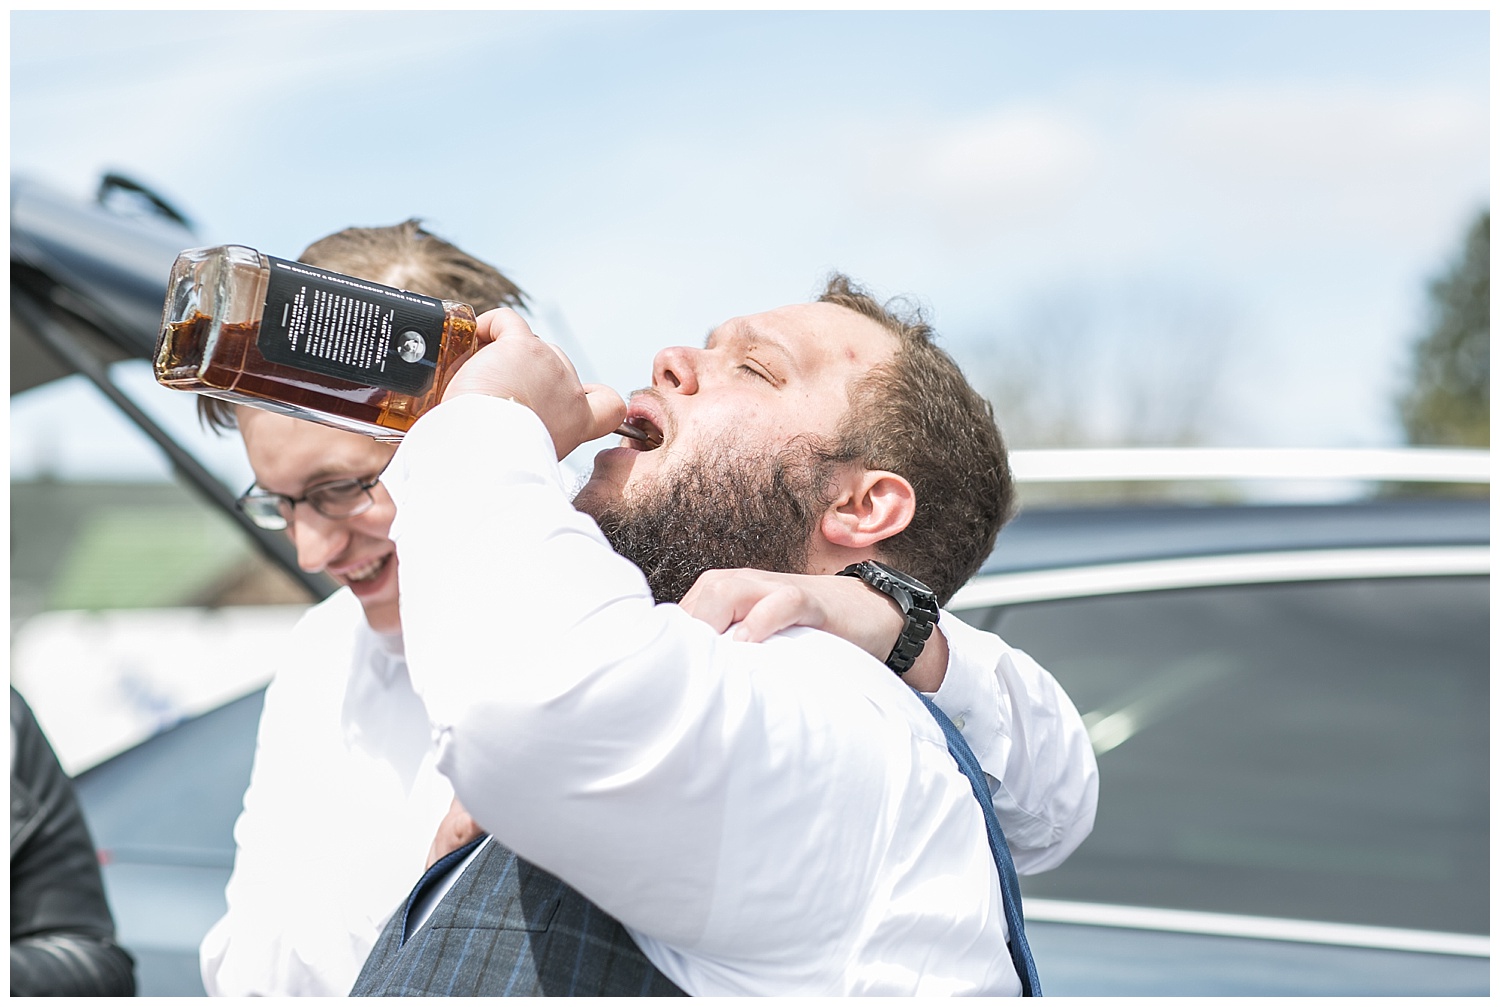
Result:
x=916 y=602
x=931 y=666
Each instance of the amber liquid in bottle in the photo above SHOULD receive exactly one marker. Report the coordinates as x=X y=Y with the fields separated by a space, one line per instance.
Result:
x=211 y=343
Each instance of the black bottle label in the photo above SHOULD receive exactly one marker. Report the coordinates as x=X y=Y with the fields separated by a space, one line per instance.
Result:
x=343 y=327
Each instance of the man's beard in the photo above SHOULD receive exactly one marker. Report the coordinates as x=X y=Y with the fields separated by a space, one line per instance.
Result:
x=736 y=508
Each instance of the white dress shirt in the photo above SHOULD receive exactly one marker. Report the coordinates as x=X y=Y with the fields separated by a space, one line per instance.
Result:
x=343 y=803
x=341 y=718
x=770 y=818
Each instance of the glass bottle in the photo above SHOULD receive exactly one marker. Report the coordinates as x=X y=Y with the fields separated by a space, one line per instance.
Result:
x=314 y=344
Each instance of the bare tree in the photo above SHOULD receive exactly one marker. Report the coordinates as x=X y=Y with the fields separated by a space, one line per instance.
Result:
x=1142 y=365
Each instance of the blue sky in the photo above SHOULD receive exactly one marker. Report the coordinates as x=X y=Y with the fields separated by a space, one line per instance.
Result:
x=1123 y=200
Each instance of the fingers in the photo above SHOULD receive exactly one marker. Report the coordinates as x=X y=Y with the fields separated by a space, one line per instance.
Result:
x=781 y=609
x=456 y=829
x=714 y=599
x=607 y=408
x=498 y=323
x=505 y=364
x=758 y=604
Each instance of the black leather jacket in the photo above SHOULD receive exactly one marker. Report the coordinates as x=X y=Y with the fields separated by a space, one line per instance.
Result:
x=62 y=937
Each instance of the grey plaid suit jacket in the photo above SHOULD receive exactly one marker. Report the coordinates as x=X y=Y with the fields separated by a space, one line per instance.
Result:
x=508 y=928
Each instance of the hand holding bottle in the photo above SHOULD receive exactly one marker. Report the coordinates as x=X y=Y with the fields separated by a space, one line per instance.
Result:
x=513 y=363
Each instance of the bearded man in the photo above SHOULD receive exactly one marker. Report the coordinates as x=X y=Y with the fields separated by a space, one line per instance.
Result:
x=764 y=814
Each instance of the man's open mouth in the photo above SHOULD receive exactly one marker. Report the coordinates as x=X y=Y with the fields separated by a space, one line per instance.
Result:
x=640 y=433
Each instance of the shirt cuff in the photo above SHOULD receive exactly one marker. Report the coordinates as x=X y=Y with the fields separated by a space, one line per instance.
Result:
x=970 y=692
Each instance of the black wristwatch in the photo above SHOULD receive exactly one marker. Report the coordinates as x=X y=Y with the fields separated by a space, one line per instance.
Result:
x=916 y=601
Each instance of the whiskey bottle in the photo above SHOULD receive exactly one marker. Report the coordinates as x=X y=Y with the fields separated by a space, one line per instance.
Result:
x=310 y=343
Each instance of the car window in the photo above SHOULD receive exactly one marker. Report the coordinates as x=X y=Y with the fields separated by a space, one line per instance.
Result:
x=1313 y=751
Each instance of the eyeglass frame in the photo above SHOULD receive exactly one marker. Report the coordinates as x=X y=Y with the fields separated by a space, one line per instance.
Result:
x=291 y=503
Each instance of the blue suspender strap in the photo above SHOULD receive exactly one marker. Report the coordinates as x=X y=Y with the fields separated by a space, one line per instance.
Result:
x=1010 y=886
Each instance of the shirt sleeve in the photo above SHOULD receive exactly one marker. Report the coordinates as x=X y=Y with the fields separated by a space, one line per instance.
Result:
x=509 y=605
x=300 y=917
x=1029 y=739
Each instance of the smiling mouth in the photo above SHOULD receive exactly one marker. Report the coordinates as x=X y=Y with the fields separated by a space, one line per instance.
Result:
x=367 y=572
x=641 y=432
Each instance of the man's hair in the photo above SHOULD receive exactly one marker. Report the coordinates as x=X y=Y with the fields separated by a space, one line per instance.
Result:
x=917 y=416
x=403 y=255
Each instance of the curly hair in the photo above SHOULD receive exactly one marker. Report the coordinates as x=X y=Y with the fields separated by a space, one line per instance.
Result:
x=916 y=415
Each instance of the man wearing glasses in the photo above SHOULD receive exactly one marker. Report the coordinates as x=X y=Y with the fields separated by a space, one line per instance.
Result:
x=339 y=499
x=344 y=799
x=349 y=543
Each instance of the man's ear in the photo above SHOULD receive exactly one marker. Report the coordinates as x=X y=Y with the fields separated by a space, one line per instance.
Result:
x=868 y=507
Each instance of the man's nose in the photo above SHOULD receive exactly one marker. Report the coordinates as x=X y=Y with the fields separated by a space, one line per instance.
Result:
x=676 y=369
x=318 y=539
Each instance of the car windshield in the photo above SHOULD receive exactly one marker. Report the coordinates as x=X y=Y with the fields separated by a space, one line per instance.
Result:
x=1294 y=750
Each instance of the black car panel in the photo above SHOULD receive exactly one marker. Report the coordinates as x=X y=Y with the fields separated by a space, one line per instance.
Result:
x=1284 y=750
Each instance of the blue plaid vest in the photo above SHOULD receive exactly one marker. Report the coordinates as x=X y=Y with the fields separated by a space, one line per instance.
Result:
x=506 y=928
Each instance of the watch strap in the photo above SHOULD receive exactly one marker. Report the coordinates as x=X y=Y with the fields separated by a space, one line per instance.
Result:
x=911 y=596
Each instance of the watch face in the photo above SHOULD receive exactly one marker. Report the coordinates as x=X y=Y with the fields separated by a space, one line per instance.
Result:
x=905 y=580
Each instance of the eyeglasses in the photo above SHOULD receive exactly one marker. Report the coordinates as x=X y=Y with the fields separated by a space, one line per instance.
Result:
x=339 y=499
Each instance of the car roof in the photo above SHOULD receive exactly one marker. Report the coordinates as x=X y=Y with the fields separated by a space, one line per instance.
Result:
x=1053 y=537
x=87 y=259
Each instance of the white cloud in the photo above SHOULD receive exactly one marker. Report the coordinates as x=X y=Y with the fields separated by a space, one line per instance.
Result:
x=1365 y=161
x=1011 y=164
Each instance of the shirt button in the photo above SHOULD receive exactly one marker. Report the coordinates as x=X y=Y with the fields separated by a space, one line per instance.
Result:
x=958 y=722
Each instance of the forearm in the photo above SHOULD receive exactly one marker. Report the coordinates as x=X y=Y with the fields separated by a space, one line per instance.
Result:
x=558 y=691
x=931 y=666
x=687 y=783
x=287 y=931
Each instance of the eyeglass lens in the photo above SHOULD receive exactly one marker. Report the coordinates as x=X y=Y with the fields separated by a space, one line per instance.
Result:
x=342 y=499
